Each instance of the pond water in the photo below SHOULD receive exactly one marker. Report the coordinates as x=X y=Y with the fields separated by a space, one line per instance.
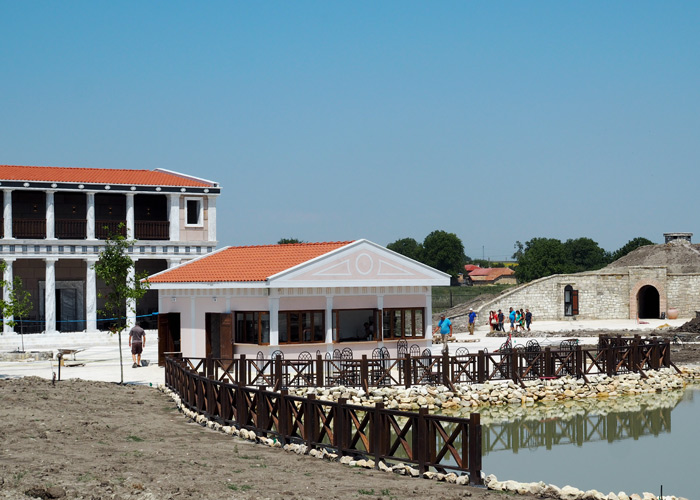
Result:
x=631 y=444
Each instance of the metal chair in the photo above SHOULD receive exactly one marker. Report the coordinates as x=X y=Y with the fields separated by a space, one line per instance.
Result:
x=277 y=353
x=260 y=355
x=462 y=351
x=415 y=350
x=304 y=356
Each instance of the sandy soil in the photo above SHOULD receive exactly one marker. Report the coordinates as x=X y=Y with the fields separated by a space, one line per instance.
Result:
x=98 y=440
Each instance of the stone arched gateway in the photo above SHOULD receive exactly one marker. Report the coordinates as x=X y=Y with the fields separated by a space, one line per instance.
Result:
x=647 y=299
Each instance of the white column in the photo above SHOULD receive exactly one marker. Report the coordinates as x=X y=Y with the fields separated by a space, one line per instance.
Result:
x=50 y=217
x=131 y=303
x=174 y=217
x=91 y=216
x=50 y=299
x=211 y=211
x=329 y=320
x=274 y=304
x=7 y=213
x=379 y=329
x=130 y=233
x=7 y=276
x=429 y=314
x=91 y=297
x=173 y=262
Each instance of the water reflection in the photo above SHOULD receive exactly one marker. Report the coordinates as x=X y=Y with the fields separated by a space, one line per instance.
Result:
x=621 y=444
x=576 y=424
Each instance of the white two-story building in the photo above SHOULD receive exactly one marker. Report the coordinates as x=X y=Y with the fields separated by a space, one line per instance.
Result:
x=55 y=222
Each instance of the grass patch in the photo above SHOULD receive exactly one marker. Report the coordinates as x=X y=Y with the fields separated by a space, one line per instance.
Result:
x=235 y=487
x=17 y=478
x=136 y=439
x=86 y=478
x=365 y=492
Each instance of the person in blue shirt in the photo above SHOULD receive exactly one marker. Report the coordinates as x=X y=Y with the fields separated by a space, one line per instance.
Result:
x=511 y=317
x=472 y=321
x=445 y=327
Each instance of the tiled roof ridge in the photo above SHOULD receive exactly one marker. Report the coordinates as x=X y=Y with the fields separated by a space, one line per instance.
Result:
x=114 y=176
x=311 y=243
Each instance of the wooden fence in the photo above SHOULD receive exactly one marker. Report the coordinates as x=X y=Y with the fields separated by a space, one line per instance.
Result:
x=441 y=443
x=613 y=355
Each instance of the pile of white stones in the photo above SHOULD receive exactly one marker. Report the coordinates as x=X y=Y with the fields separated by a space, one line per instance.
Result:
x=507 y=391
x=475 y=395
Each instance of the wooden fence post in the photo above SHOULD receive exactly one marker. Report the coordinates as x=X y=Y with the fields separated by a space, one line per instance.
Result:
x=310 y=421
x=211 y=397
x=364 y=373
x=420 y=438
x=242 y=413
x=340 y=427
x=278 y=372
x=446 y=369
x=548 y=366
x=514 y=371
x=283 y=416
x=474 y=449
x=378 y=432
x=262 y=411
x=319 y=371
x=481 y=367
x=579 y=361
x=667 y=354
x=634 y=353
x=407 y=372
x=243 y=370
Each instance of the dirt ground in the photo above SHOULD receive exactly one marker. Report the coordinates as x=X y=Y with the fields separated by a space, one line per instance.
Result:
x=98 y=440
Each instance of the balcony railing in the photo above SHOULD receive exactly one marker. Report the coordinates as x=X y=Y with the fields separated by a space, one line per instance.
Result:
x=103 y=228
x=71 y=229
x=29 y=228
x=152 y=230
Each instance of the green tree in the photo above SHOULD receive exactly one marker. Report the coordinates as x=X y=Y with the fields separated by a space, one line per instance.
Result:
x=539 y=257
x=444 y=251
x=289 y=241
x=485 y=263
x=407 y=247
x=124 y=285
x=16 y=303
x=632 y=244
x=584 y=254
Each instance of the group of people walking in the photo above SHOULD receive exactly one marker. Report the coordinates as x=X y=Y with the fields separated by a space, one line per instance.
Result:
x=519 y=320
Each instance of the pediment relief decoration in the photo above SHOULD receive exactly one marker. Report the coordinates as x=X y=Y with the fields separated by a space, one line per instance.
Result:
x=362 y=264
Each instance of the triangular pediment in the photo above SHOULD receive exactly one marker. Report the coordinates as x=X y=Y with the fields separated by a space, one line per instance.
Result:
x=361 y=264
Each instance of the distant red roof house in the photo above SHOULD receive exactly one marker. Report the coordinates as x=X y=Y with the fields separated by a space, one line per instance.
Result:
x=245 y=264
x=158 y=177
x=492 y=275
x=470 y=267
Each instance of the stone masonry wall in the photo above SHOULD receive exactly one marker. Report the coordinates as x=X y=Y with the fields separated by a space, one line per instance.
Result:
x=684 y=293
x=603 y=295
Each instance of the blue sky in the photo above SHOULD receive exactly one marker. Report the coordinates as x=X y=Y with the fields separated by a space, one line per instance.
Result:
x=323 y=121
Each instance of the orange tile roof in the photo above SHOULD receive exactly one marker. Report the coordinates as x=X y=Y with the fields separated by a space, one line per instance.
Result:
x=96 y=176
x=253 y=263
x=491 y=272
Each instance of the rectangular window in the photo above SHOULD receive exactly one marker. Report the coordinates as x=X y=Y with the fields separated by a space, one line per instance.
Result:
x=355 y=325
x=253 y=328
x=193 y=212
x=403 y=323
x=301 y=327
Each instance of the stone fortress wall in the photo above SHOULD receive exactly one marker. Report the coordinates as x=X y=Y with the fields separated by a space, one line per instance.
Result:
x=603 y=294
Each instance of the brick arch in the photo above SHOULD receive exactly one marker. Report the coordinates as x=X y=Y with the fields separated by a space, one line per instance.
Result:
x=634 y=292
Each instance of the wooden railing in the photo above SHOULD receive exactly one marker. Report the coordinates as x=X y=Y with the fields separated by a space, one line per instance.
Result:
x=614 y=355
x=103 y=228
x=75 y=229
x=152 y=230
x=29 y=228
x=441 y=443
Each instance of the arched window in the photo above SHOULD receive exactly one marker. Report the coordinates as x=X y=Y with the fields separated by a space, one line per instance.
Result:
x=570 y=301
